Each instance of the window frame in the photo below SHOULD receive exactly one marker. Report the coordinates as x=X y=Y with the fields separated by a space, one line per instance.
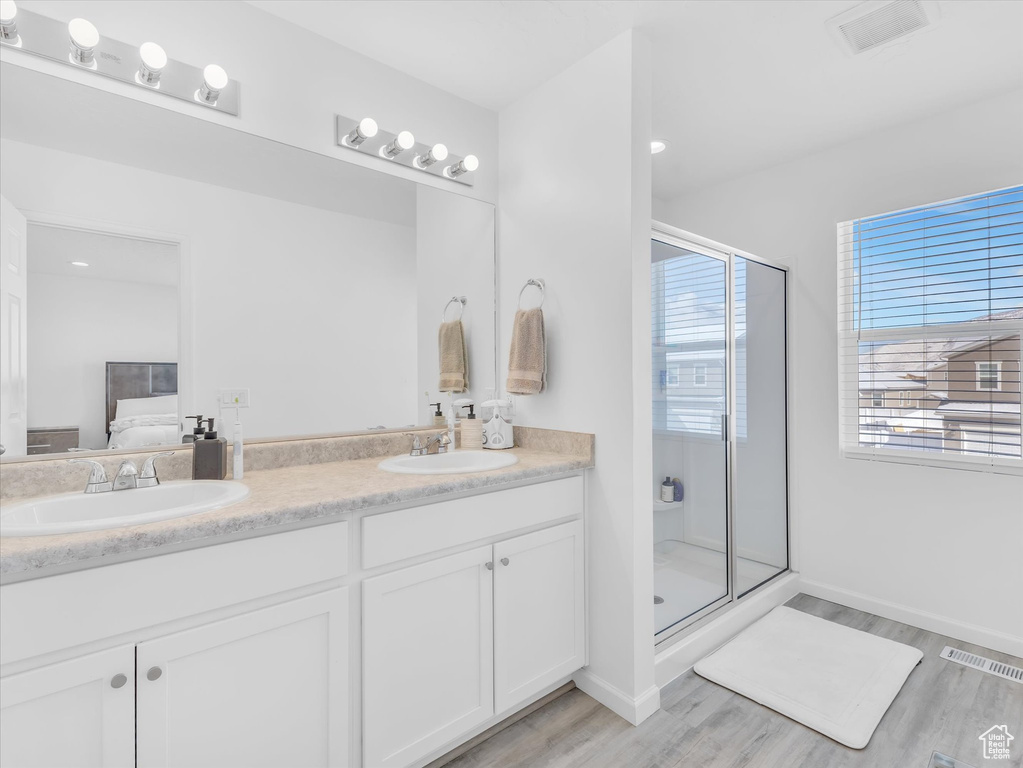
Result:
x=697 y=367
x=998 y=375
x=849 y=337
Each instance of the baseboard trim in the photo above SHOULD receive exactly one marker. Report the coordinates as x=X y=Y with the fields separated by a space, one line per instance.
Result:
x=680 y=656
x=633 y=710
x=932 y=622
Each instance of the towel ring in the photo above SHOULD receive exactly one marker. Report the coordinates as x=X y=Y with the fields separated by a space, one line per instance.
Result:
x=460 y=301
x=539 y=283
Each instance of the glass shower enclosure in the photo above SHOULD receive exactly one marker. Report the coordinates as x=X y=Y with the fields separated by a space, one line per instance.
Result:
x=718 y=341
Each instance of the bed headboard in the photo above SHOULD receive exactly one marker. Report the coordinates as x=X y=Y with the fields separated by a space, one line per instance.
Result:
x=130 y=380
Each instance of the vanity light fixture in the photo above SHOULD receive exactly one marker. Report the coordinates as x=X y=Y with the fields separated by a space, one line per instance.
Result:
x=438 y=154
x=366 y=129
x=467 y=165
x=401 y=148
x=657 y=146
x=84 y=39
x=79 y=263
x=404 y=140
x=79 y=44
x=154 y=59
x=8 y=20
x=214 y=80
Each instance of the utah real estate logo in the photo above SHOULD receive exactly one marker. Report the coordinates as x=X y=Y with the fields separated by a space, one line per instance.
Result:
x=996 y=742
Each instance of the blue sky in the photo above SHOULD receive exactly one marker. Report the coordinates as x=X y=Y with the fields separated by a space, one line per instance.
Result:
x=941 y=264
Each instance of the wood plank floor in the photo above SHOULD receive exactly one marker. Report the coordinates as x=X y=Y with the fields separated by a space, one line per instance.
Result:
x=943 y=707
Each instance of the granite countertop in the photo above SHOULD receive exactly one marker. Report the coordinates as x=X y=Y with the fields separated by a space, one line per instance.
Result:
x=324 y=492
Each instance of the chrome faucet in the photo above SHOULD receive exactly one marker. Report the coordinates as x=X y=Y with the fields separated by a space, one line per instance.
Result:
x=418 y=449
x=127 y=476
x=148 y=478
x=442 y=440
x=98 y=482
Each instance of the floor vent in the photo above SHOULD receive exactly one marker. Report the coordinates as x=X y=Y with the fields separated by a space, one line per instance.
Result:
x=872 y=24
x=1007 y=671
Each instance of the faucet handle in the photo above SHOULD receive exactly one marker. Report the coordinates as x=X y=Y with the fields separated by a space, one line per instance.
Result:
x=149 y=467
x=148 y=476
x=417 y=444
x=97 y=476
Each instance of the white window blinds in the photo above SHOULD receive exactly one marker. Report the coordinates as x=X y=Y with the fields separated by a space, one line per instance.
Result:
x=930 y=318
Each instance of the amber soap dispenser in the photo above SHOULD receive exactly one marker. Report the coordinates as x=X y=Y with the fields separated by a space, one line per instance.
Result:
x=209 y=455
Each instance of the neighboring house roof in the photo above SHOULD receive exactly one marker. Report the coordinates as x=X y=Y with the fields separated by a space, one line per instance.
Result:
x=918 y=421
x=876 y=380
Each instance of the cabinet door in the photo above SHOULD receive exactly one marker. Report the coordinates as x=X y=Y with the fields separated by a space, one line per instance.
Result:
x=427 y=653
x=539 y=626
x=267 y=688
x=79 y=712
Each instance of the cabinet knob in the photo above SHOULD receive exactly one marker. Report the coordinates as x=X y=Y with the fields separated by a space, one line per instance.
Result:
x=505 y=561
x=118 y=680
x=490 y=566
x=154 y=673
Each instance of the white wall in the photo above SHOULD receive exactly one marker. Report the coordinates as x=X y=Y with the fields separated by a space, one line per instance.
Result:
x=454 y=257
x=313 y=310
x=75 y=325
x=937 y=548
x=290 y=98
x=575 y=210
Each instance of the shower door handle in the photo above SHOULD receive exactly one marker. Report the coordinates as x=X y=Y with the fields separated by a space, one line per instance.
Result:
x=724 y=426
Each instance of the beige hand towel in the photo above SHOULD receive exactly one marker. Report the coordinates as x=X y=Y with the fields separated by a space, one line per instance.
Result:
x=527 y=359
x=454 y=360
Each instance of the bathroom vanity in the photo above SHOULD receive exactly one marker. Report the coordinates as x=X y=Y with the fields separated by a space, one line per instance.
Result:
x=339 y=615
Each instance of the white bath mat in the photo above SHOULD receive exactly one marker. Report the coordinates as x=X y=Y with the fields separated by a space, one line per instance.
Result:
x=836 y=680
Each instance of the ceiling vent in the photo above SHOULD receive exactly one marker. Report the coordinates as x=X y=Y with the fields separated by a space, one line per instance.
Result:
x=873 y=24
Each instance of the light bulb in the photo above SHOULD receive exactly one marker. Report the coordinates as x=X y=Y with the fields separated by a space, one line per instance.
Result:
x=438 y=154
x=404 y=140
x=84 y=39
x=470 y=163
x=8 y=20
x=657 y=146
x=154 y=59
x=214 y=80
x=366 y=129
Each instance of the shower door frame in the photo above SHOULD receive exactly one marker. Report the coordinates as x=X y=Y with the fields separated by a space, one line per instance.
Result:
x=680 y=238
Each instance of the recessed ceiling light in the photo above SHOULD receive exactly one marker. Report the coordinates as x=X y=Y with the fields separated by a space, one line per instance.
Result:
x=657 y=146
x=79 y=263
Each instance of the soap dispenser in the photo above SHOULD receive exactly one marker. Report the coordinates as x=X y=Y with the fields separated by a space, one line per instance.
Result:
x=209 y=455
x=438 y=416
x=197 y=433
x=472 y=428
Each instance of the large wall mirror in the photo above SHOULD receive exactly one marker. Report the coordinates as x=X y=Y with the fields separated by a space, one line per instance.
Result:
x=154 y=261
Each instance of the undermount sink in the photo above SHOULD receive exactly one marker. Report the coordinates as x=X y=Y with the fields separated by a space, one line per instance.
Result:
x=74 y=512
x=456 y=462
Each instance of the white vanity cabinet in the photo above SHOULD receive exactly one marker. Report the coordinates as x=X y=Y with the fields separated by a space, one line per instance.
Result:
x=267 y=688
x=427 y=656
x=79 y=712
x=539 y=619
x=456 y=641
x=229 y=655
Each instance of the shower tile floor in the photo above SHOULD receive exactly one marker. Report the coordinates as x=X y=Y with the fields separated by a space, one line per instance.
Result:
x=689 y=577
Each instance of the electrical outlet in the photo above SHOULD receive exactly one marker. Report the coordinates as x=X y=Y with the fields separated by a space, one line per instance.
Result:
x=234 y=398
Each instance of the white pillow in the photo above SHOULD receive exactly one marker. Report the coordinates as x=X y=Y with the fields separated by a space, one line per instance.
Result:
x=143 y=406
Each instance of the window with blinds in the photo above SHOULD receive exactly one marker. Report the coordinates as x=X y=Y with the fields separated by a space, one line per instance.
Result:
x=930 y=322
